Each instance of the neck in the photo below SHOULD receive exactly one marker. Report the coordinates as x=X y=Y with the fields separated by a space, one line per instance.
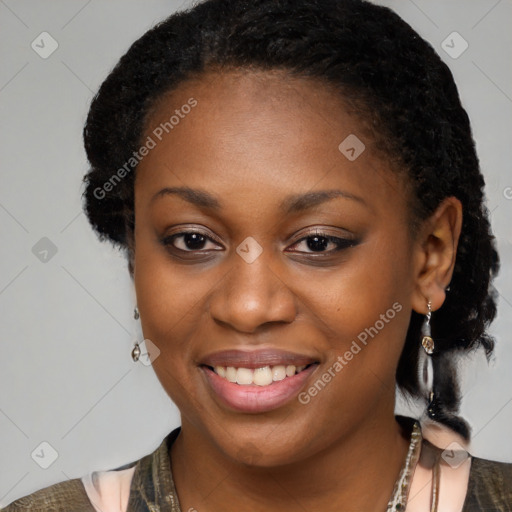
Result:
x=359 y=470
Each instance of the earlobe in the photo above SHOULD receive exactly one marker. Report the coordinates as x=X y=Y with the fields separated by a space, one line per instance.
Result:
x=435 y=252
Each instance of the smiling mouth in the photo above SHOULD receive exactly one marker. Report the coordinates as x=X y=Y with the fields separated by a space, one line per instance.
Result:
x=263 y=376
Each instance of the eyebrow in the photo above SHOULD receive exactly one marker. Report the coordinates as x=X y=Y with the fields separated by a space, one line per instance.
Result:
x=291 y=204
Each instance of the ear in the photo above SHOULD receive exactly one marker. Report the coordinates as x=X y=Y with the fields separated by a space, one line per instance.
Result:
x=434 y=255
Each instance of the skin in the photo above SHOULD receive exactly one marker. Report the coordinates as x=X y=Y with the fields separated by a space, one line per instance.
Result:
x=253 y=139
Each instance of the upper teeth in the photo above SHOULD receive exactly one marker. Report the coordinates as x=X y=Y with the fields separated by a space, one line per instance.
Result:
x=259 y=376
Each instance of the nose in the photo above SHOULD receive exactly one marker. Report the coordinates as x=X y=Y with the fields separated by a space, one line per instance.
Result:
x=252 y=295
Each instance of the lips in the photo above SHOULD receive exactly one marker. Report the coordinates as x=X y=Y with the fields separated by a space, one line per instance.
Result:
x=256 y=358
x=256 y=381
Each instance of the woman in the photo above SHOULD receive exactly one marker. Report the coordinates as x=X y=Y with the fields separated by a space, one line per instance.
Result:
x=297 y=191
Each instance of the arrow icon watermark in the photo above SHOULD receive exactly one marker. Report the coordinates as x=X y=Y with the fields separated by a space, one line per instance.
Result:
x=351 y=147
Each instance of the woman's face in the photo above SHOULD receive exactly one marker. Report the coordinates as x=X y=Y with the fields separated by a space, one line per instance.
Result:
x=237 y=280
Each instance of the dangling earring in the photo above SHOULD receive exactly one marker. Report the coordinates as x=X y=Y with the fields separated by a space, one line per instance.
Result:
x=136 y=348
x=426 y=341
x=425 y=366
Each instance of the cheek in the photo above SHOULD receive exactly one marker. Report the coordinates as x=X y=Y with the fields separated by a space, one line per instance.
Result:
x=166 y=303
x=166 y=299
x=366 y=287
x=362 y=311
x=167 y=293
x=363 y=316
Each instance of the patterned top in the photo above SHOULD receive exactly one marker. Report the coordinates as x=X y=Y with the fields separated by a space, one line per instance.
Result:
x=152 y=486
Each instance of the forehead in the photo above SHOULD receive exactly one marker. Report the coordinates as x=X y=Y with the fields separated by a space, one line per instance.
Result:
x=250 y=132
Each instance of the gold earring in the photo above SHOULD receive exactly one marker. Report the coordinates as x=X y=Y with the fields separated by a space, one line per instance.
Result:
x=136 y=352
x=136 y=348
x=426 y=365
x=426 y=341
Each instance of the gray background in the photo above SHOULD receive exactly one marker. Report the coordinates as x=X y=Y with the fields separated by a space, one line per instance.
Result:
x=66 y=376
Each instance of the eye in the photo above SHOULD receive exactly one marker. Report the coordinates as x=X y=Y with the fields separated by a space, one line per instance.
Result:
x=190 y=241
x=318 y=243
x=315 y=243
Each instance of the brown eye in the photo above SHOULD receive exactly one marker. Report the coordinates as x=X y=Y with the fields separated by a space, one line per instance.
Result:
x=319 y=242
x=189 y=241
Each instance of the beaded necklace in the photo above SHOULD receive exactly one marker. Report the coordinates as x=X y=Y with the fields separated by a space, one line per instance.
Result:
x=398 y=500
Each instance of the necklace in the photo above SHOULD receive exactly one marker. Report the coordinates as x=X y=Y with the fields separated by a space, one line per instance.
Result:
x=398 y=500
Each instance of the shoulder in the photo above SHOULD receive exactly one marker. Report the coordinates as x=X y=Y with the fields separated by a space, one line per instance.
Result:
x=489 y=486
x=61 y=497
x=133 y=482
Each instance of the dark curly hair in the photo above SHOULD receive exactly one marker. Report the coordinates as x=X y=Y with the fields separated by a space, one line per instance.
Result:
x=403 y=93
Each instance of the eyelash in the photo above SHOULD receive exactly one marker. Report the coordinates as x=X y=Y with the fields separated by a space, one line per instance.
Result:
x=342 y=243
